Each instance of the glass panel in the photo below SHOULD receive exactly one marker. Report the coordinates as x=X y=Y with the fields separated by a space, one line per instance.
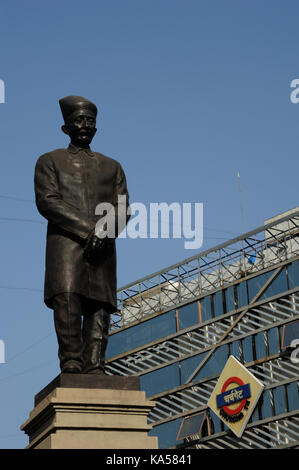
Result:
x=277 y=286
x=215 y=364
x=273 y=341
x=116 y=344
x=141 y=334
x=189 y=365
x=266 y=405
x=247 y=349
x=188 y=316
x=260 y=346
x=242 y=294
x=167 y=433
x=279 y=400
x=235 y=349
x=293 y=275
x=216 y=423
x=206 y=308
x=293 y=396
x=191 y=425
x=218 y=304
x=160 y=380
x=255 y=415
x=230 y=299
x=256 y=283
x=289 y=333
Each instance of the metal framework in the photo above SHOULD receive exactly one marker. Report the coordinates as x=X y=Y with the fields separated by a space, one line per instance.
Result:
x=279 y=433
x=273 y=247
x=201 y=338
x=210 y=270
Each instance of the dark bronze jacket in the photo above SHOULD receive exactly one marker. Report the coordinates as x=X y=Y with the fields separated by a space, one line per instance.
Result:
x=69 y=184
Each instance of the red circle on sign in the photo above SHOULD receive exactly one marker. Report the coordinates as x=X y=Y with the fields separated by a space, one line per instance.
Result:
x=242 y=404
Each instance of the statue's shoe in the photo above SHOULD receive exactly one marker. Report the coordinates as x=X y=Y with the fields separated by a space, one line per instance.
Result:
x=71 y=369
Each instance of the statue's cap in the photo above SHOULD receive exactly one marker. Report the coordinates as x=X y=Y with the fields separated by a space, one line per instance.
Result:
x=70 y=105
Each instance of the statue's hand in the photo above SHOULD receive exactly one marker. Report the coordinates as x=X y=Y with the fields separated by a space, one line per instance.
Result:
x=93 y=245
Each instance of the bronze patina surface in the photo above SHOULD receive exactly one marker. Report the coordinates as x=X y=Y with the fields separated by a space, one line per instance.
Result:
x=80 y=273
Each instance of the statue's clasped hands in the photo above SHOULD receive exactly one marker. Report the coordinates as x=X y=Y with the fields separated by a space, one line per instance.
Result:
x=93 y=245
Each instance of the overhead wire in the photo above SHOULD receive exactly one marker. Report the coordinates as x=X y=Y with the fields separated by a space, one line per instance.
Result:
x=43 y=364
x=16 y=219
x=32 y=345
x=13 y=198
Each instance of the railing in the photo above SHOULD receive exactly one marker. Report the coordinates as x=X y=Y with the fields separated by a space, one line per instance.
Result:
x=254 y=251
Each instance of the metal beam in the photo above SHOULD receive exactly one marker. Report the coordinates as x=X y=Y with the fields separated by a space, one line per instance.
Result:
x=260 y=292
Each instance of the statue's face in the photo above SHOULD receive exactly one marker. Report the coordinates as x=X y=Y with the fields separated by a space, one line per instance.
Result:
x=81 y=128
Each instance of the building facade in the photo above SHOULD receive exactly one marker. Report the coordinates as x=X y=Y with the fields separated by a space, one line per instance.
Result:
x=178 y=327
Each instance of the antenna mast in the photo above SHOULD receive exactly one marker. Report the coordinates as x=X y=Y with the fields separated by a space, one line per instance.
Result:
x=242 y=219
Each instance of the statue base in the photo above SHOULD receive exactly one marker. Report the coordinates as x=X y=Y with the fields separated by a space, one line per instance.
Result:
x=86 y=411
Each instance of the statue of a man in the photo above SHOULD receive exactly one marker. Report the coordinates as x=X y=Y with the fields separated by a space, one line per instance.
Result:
x=80 y=277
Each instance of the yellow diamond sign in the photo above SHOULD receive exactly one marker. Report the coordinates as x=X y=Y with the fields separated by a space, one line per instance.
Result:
x=235 y=395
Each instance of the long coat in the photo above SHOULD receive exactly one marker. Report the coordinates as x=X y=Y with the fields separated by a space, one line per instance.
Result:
x=69 y=184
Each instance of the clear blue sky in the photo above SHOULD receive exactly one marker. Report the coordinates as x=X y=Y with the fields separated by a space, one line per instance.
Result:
x=190 y=93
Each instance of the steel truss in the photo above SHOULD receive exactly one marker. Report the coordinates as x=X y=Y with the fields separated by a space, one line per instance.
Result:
x=273 y=370
x=250 y=253
x=192 y=397
x=273 y=246
x=279 y=432
x=201 y=338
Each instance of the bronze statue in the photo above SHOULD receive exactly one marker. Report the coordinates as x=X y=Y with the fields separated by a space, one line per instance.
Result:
x=80 y=277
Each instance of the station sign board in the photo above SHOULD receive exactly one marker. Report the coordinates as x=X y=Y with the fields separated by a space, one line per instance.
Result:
x=235 y=395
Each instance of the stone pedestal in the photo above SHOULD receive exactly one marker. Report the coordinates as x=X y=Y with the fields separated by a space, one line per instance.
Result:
x=90 y=412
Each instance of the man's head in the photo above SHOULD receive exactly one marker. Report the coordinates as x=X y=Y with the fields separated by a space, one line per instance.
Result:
x=79 y=119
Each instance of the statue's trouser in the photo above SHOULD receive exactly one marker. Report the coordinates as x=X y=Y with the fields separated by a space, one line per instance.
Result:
x=81 y=344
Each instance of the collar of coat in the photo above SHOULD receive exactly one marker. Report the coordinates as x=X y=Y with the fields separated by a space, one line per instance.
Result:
x=74 y=149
